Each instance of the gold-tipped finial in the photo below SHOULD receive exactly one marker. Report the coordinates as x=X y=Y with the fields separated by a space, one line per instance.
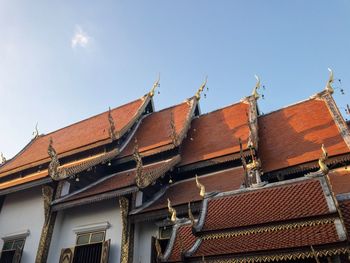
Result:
x=201 y=187
x=190 y=215
x=330 y=81
x=155 y=85
x=36 y=131
x=172 y=212
x=2 y=158
x=257 y=86
x=322 y=161
x=201 y=88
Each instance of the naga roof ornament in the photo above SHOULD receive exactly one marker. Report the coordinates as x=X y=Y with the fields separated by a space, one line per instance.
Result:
x=201 y=88
x=2 y=158
x=112 y=130
x=36 y=132
x=330 y=81
x=155 y=85
x=172 y=212
x=322 y=161
x=54 y=163
x=255 y=93
x=190 y=215
x=201 y=187
x=140 y=181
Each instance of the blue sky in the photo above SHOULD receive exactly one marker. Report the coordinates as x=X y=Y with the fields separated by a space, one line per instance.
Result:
x=63 y=61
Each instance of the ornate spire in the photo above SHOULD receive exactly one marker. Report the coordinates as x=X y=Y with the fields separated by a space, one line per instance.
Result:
x=112 y=130
x=54 y=164
x=2 y=158
x=139 y=165
x=155 y=85
x=172 y=212
x=330 y=81
x=201 y=187
x=173 y=134
x=190 y=215
x=36 y=131
x=257 y=86
x=322 y=161
x=201 y=88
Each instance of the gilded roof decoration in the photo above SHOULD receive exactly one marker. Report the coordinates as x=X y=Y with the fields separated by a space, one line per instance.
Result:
x=155 y=85
x=172 y=212
x=330 y=81
x=112 y=130
x=201 y=88
x=201 y=187
x=255 y=93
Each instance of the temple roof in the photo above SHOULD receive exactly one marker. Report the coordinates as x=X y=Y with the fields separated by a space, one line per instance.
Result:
x=340 y=180
x=122 y=180
x=293 y=135
x=182 y=240
x=83 y=135
x=186 y=191
x=295 y=214
x=216 y=134
x=155 y=131
x=273 y=204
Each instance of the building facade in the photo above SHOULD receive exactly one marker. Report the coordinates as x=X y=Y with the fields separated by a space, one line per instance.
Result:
x=135 y=185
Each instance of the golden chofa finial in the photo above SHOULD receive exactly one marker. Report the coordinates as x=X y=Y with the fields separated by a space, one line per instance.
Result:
x=172 y=212
x=322 y=161
x=330 y=81
x=201 y=187
x=201 y=88
x=2 y=158
x=155 y=85
x=257 y=86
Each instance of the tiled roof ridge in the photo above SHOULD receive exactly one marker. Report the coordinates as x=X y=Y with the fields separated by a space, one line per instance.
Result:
x=222 y=108
x=145 y=99
x=176 y=227
x=161 y=193
x=203 y=214
x=290 y=105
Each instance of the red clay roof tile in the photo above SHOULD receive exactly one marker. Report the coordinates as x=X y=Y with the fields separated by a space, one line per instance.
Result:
x=294 y=135
x=267 y=241
x=345 y=210
x=187 y=191
x=75 y=136
x=340 y=180
x=284 y=202
x=216 y=134
x=118 y=181
x=184 y=241
x=155 y=129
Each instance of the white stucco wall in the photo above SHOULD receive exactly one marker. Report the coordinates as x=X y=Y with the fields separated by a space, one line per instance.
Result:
x=21 y=211
x=143 y=241
x=69 y=219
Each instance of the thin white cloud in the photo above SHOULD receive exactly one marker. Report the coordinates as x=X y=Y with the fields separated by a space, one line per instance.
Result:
x=80 y=38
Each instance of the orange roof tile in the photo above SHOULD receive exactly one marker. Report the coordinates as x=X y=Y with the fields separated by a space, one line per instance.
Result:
x=283 y=202
x=187 y=191
x=216 y=134
x=266 y=241
x=340 y=180
x=184 y=241
x=294 y=135
x=155 y=129
x=84 y=133
x=120 y=180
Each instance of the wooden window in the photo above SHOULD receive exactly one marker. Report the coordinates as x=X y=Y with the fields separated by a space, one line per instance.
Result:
x=12 y=250
x=89 y=248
